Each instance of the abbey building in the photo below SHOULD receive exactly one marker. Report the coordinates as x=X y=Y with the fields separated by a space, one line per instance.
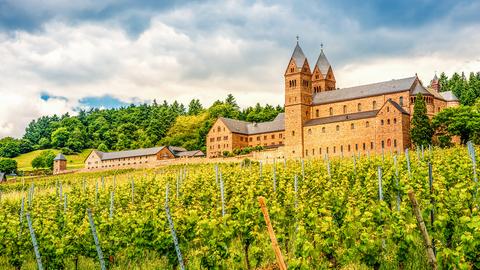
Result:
x=322 y=119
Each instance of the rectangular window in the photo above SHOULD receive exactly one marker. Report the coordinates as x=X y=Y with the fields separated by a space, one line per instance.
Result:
x=241 y=139
x=225 y=138
x=258 y=138
x=280 y=135
x=273 y=136
x=356 y=147
x=306 y=152
x=364 y=147
x=264 y=137
x=251 y=138
x=371 y=145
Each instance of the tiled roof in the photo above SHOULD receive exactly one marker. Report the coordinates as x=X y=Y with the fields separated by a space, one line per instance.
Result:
x=364 y=91
x=194 y=153
x=323 y=64
x=449 y=96
x=396 y=105
x=298 y=56
x=175 y=149
x=248 y=128
x=340 y=118
x=129 y=153
x=60 y=157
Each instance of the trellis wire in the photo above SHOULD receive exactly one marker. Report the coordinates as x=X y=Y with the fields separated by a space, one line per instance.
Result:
x=432 y=202
x=34 y=242
x=284 y=163
x=22 y=209
x=172 y=230
x=216 y=174
x=60 y=188
x=328 y=167
x=380 y=191
x=112 y=194
x=30 y=195
x=96 y=192
x=95 y=239
x=114 y=182
x=178 y=185
x=407 y=157
x=103 y=182
x=354 y=165
x=423 y=154
x=471 y=151
x=222 y=194
x=84 y=185
x=396 y=181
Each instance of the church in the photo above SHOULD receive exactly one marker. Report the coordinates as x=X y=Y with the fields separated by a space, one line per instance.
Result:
x=321 y=119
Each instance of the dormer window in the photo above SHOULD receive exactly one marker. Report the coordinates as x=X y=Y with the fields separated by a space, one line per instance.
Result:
x=316 y=76
x=292 y=69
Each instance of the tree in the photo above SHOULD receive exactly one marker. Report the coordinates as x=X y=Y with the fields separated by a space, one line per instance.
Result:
x=44 y=160
x=60 y=137
x=8 y=165
x=194 y=107
x=462 y=121
x=443 y=82
x=230 y=100
x=421 y=131
x=102 y=147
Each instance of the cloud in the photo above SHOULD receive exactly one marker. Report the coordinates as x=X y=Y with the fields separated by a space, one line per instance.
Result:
x=93 y=53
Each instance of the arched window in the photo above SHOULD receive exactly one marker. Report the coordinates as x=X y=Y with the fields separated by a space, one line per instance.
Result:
x=367 y=124
x=317 y=113
x=334 y=149
x=381 y=122
x=395 y=143
x=374 y=105
x=388 y=121
x=323 y=129
x=389 y=143
x=383 y=144
x=359 y=107
x=349 y=148
x=400 y=100
x=331 y=111
x=309 y=131
x=219 y=129
x=388 y=109
x=394 y=120
x=352 y=126
x=344 y=109
x=338 y=127
x=293 y=132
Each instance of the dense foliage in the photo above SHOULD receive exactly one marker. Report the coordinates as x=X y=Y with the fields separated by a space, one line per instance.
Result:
x=421 y=131
x=44 y=160
x=466 y=89
x=462 y=121
x=331 y=216
x=136 y=126
x=8 y=165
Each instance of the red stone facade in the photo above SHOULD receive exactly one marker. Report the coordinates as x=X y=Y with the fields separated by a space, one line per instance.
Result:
x=321 y=119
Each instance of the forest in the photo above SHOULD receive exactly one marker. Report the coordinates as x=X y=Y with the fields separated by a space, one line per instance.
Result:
x=147 y=125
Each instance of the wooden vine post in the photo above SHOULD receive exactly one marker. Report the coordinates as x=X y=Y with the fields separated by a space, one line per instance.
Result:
x=276 y=248
x=432 y=260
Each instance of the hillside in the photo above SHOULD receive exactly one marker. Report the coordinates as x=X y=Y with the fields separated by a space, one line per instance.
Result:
x=74 y=161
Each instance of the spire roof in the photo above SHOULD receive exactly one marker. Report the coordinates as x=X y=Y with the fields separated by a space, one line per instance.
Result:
x=60 y=156
x=298 y=56
x=322 y=63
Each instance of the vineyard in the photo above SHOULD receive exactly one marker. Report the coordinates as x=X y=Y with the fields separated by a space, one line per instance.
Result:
x=345 y=213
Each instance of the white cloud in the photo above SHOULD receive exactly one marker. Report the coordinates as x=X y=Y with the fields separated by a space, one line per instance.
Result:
x=205 y=51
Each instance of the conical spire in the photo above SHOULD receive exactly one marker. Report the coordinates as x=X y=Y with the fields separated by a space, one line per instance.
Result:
x=298 y=56
x=322 y=63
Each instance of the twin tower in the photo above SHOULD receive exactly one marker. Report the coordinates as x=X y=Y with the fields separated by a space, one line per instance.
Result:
x=301 y=84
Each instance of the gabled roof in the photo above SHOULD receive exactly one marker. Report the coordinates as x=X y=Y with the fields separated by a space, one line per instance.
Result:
x=298 y=56
x=60 y=156
x=175 y=149
x=366 y=90
x=341 y=118
x=129 y=153
x=194 y=153
x=323 y=64
x=420 y=89
x=249 y=128
x=449 y=96
x=397 y=106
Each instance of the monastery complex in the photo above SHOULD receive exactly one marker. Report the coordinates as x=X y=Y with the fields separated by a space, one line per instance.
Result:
x=322 y=119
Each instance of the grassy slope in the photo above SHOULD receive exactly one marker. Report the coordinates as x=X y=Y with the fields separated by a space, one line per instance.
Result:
x=74 y=161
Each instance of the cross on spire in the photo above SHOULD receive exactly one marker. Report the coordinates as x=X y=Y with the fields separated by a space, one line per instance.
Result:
x=297 y=38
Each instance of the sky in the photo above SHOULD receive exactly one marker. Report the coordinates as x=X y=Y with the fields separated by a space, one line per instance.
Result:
x=59 y=56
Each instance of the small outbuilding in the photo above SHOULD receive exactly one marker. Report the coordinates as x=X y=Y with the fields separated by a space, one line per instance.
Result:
x=59 y=164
